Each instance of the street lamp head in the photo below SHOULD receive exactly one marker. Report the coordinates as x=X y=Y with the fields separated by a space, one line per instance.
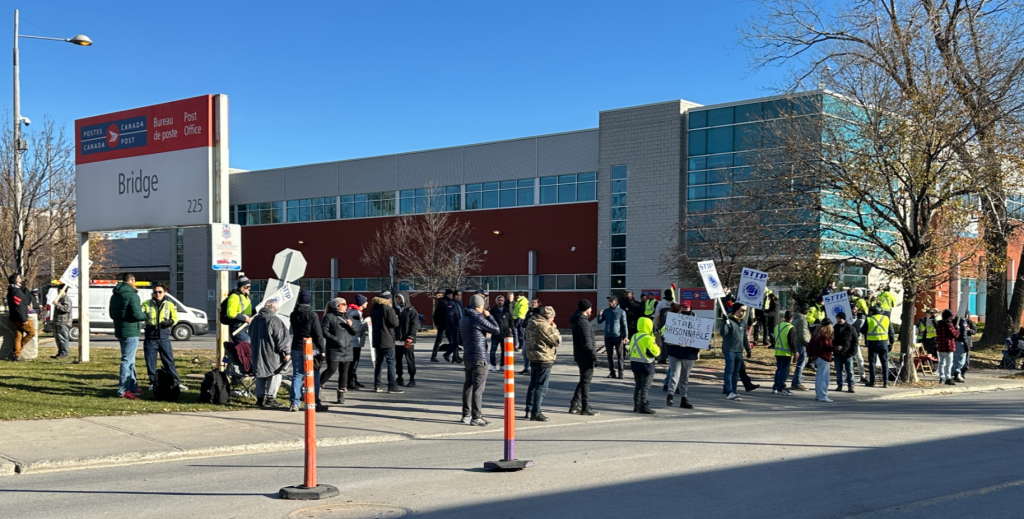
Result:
x=81 y=40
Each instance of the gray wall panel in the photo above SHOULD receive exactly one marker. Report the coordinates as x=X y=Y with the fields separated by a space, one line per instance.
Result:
x=312 y=181
x=501 y=160
x=440 y=167
x=567 y=153
x=368 y=175
x=257 y=186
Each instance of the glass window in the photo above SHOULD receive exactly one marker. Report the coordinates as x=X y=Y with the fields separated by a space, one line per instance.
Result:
x=548 y=181
x=525 y=196
x=619 y=200
x=549 y=194
x=718 y=191
x=508 y=197
x=695 y=207
x=618 y=267
x=548 y=282
x=619 y=240
x=490 y=199
x=696 y=193
x=618 y=254
x=777 y=108
x=567 y=282
x=566 y=193
x=618 y=282
x=416 y=201
x=720 y=116
x=586 y=177
x=618 y=213
x=585 y=282
x=695 y=164
x=748 y=113
x=586 y=191
x=619 y=172
x=472 y=188
x=619 y=227
x=359 y=284
x=697 y=178
x=522 y=282
x=720 y=140
x=526 y=182
x=345 y=285
x=719 y=160
x=697 y=142
x=747 y=137
x=698 y=119
x=474 y=201
x=618 y=186
x=566 y=179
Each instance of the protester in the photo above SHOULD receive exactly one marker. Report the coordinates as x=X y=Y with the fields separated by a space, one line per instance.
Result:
x=161 y=316
x=239 y=309
x=926 y=330
x=452 y=317
x=785 y=340
x=945 y=337
x=880 y=337
x=305 y=325
x=802 y=335
x=962 y=356
x=886 y=301
x=821 y=348
x=126 y=312
x=439 y=321
x=405 y=339
x=584 y=352
x=18 y=302
x=359 y=326
x=615 y=329
x=829 y=289
x=511 y=301
x=681 y=360
x=846 y=339
x=771 y=318
x=338 y=333
x=542 y=341
x=816 y=313
x=642 y=352
x=531 y=312
x=858 y=358
x=734 y=343
x=502 y=314
x=270 y=354
x=474 y=325
x=62 y=321
x=520 y=307
x=385 y=321
x=634 y=311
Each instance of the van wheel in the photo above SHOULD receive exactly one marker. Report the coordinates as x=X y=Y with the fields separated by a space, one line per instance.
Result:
x=181 y=332
x=73 y=333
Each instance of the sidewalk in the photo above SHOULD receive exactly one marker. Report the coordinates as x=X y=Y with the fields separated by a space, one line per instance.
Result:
x=431 y=410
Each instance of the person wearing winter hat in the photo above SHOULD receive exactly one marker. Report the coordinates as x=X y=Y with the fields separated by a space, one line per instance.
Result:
x=305 y=325
x=473 y=327
x=239 y=309
x=385 y=322
x=584 y=352
x=355 y=314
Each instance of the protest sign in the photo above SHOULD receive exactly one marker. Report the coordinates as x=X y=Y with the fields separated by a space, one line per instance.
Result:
x=752 y=285
x=712 y=282
x=835 y=303
x=688 y=330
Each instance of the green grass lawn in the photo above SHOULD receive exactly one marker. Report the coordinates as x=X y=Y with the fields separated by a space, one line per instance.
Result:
x=47 y=388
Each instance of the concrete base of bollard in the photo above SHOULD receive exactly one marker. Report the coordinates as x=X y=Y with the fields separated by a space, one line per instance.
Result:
x=300 y=492
x=508 y=465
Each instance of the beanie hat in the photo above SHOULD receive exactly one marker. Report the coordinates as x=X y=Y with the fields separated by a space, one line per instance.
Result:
x=305 y=297
x=385 y=295
x=477 y=301
x=686 y=304
x=360 y=300
x=584 y=305
x=243 y=281
x=841 y=315
x=448 y=292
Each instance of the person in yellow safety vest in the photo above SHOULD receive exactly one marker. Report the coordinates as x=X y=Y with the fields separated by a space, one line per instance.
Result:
x=161 y=316
x=650 y=306
x=642 y=352
x=239 y=310
x=785 y=336
x=879 y=334
x=926 y=330
x=886 y=301
x=859 y=304
x=520 y=305
x=817 y=312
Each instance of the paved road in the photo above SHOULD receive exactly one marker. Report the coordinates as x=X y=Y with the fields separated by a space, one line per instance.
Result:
x=103 y=340
x=948 y=456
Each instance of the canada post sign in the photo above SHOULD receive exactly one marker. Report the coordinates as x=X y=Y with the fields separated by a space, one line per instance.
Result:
x=146 y=168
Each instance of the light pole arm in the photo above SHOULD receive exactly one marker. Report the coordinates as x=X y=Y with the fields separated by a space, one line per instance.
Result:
x=42 y=38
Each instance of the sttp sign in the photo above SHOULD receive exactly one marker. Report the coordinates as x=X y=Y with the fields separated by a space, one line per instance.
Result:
x=712 y=282
x=146 y=168
x=752 y=285
x=835 y=303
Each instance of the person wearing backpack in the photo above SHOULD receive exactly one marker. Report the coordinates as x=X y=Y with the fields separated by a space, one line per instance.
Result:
x=236 y=310
x=305 y=325
x=821 y=349
x=126 y=312
x=161 y=316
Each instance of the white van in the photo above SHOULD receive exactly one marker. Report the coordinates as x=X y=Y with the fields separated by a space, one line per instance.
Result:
x=190 y=320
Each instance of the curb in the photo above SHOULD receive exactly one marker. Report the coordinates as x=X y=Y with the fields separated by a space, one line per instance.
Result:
x=951 y=390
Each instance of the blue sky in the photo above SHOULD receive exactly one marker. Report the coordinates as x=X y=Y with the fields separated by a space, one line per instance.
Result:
x=319 y=81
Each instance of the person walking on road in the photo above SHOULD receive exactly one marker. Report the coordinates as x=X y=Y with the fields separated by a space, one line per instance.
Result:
x=405 y=339
x=945 y=344
x=305 y=325
x=542 y=341
x=474 y=325
x=62 y=322
x=339 y=334
x=18 y=302
x=439 y=311
x=880 y=337
x=734 y=342
x=802 y=335
x=270 y=354
x=161 y=316
x=502 y=314
x=643 y=350
x=361 y=330
x=385 y=321
x=822 y=348
x=681 y=360
x=452 y=317
x=785 y=337
x=615 y=338
x=847 y=341
x=126 y=312
x=584 y=352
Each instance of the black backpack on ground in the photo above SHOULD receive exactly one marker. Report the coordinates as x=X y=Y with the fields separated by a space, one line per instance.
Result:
x=214 y=389
x=166 y=386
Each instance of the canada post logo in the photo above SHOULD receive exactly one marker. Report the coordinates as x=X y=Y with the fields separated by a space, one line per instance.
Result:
x=114 y=135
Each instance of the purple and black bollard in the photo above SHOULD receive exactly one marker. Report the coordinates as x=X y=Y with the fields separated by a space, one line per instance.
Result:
x=509 y=463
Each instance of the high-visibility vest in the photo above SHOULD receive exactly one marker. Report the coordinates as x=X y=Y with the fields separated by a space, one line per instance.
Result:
x=782 y=347
x=767 y=298
x=886 y=301
x=636 y=353
x=156 y=312
x=927 y=328
x=650 y=306
x=878 y=328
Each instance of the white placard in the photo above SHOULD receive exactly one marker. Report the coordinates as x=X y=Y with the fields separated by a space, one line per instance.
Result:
x=752 y=285
x=226 y=245
x=712 y=282
x=835 y=303
x=688 y=330
x=70 y=275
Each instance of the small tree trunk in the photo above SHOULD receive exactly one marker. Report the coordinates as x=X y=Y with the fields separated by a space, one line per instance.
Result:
x=906 y=335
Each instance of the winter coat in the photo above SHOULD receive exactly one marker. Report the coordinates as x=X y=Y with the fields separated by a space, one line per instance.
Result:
x=62 y=311
x=945 y=336
x=439 y=312
x=452 y=315
x=634 y=310
x=614 y=320
x=681 y=352
x=821 y=346
x=385 y=321
x=161 y=316
x=18 y=302
x=503 y=316
x=338 y=334
x=542 y=340
x=584 y=347
x=359 y=327
x=269 y=340
x=305 y=324
x=408 y=323
x=473 y=328
x=846 y=338
x=801 y=330
x=967 y=329
x=126 y=311
x=734 y=335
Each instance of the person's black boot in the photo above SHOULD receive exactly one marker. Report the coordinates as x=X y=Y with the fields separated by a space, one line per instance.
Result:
x=259 y=401
x=646 y=409
x=412 y=381
x=574 y=408
x=400 y=381
x=669 y=401
x=685 y=403
x=589 y=411
x=636 y=408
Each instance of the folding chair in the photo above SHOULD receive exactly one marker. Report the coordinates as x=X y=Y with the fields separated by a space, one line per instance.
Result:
x=896 y=365
x=239 y=368
x=923 y=361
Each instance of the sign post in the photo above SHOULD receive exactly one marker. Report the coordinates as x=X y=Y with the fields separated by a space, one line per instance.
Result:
x=509 y=462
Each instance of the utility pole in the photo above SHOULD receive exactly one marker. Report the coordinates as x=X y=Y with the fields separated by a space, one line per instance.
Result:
x=19 y=224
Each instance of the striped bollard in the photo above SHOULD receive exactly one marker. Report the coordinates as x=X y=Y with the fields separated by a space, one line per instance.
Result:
x=309 y=489
x=509 y=463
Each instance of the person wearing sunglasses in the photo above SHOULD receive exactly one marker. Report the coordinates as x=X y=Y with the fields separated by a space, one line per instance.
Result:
x=161 y=316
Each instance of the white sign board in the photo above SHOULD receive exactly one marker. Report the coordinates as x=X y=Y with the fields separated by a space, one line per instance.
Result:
x=752 y=285
x=688 y=330
x=70 y=275
x=712 y=283
x=226 y=245
x=835 y=303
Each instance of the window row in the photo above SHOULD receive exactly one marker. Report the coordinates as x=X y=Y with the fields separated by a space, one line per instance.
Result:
x=497 y=283
x=566 y=282
x=754 y=112
x=363 y=285
x=441 y=199
x=312 y=209
x=508 y=193
x=564 y=189
x=717 y=161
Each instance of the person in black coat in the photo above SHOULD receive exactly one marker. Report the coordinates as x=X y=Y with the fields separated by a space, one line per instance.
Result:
x=439 y=314
x=845 y=340
x=405 y=338
x=452 y=317
x=385 y=321
x=305 y=325
x=18 y=301
x=584 y=352
x=634 y=311
x=338 y=332
x=502 y=314
x=475 y=325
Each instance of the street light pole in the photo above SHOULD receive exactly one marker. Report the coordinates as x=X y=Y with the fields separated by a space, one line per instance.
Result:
x=19 y=225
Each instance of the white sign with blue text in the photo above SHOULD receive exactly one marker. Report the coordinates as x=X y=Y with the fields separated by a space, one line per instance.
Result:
x=752 y=285
x=70 y=275
x=712 y=282
x=835 y=303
